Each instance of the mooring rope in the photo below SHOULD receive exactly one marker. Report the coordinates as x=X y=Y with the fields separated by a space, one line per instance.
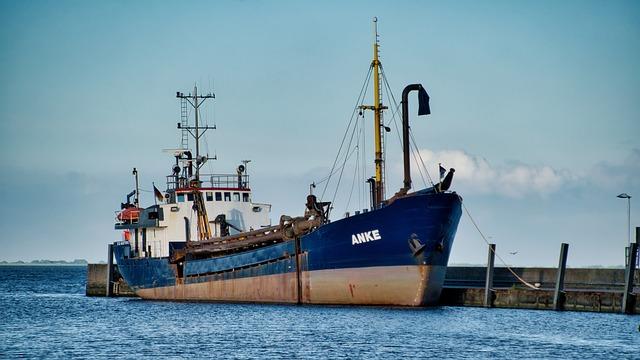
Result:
x=494 y=251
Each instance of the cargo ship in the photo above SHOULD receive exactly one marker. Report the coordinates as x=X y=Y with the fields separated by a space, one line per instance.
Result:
x=206 y=239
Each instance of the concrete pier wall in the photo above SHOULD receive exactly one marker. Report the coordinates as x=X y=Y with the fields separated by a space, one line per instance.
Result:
x=578 y=300
x=97 y=281
x=578 y=278
x=599 y=290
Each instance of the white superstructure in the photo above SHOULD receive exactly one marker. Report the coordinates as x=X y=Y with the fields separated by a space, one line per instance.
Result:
x=175 y=219
x=194 y=206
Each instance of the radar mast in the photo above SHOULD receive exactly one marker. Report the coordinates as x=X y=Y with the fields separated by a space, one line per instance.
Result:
x=197 y=131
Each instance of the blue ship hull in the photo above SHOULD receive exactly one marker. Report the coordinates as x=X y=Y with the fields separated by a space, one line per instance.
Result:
x=395 y=255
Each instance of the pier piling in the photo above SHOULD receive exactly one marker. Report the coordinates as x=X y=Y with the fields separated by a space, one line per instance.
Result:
x=488 y=287
x=559 y=295
x=628 y=297
x=109 y=284
x=637 y=255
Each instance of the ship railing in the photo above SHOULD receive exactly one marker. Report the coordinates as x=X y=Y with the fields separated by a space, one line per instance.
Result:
x=227 y=181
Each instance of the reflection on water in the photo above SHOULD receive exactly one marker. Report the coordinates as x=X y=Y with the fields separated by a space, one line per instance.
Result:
x=44 y=313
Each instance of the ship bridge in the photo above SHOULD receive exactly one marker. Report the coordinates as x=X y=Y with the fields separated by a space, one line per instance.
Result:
x=210 y=181
x=227 y=198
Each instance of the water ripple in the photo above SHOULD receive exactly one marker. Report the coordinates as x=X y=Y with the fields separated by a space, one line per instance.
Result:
x=45 y=314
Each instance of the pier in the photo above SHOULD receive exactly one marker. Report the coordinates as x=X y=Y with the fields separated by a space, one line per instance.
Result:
x=105 y=279
x=97 y=282
x=574 y=289
x=596 y=290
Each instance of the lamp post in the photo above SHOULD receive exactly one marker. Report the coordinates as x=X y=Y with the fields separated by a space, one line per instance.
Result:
x=628 y=197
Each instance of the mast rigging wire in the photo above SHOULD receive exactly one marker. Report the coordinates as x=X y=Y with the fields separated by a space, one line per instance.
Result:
x=413 y=149
x=343 y=165
x=355 y=173
x=417 y=151
x=364 y=155
x=358 y=101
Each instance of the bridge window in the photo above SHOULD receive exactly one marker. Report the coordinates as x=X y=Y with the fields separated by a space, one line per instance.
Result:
x=209 y=196
x=227 y=196
x=190 y=197
x=245 y=197
x=236 y=196
x=218 y=196
x=180 y=197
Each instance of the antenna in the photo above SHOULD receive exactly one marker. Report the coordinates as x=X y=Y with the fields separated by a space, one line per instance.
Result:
x=197 y=131
x=246 y=169
x=137 y=199
x=377 y=108
x=375 y=29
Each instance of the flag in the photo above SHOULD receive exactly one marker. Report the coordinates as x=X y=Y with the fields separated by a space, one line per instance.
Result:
x=157 y=193
x=423 y=102
x=442 y=171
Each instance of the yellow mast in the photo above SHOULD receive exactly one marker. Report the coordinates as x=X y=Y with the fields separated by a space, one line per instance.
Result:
x=377 y=115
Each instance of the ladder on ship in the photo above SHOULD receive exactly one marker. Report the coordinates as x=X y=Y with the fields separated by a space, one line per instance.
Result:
x=382 y=145
x=184 y=123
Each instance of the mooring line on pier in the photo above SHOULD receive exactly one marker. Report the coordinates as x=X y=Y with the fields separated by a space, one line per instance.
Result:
x=494 y=251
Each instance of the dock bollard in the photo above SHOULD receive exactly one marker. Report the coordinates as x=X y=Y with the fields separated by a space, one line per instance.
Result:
x=559 y=296
x=109 y=290
x=628 y=297
x=488 y=287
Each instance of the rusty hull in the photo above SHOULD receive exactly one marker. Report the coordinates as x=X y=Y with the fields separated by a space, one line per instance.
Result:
x=417 y=285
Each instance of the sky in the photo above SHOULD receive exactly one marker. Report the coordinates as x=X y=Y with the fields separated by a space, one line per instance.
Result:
x=535 y=103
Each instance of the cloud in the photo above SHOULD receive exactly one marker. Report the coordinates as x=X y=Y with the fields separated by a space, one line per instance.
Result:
x=475 y=174
x=618 y=174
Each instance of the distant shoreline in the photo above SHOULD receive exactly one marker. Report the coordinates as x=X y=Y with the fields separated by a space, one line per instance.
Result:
x=29 y=264
x=78 y=262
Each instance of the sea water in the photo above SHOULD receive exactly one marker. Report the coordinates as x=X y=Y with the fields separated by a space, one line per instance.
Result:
x=45 y=314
